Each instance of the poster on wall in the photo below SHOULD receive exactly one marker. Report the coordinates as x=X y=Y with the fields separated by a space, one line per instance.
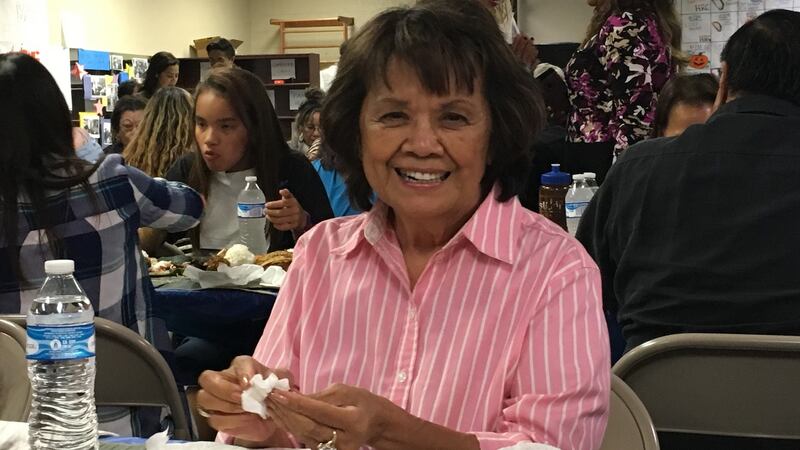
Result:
x=139 y=68
x=708 y=24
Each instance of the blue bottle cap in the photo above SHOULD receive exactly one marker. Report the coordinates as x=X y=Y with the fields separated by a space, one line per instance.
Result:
x=555 y=177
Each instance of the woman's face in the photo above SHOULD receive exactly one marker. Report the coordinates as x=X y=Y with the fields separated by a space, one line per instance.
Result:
x=221 y=136
x=311 y=130
x=684 y=115
x=168 y=77
x=424 y=155
x=128 y=123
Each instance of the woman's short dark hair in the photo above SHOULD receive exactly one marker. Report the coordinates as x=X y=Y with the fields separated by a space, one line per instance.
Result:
x=449 y=44
x=694 y=90
x=222 y=45
x=156 y=64
x=127 y=88
x=125 y=104
x=763 y=56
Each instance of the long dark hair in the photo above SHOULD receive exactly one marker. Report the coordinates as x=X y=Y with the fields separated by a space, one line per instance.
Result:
x=156 y=64
x=36 y=153
x=265 y=145
x=669 y=24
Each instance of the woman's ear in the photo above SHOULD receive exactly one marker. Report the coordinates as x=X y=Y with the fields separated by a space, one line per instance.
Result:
x=722 y=92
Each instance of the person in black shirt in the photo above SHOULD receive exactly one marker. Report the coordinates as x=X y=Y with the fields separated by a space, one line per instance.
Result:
x=699 y=232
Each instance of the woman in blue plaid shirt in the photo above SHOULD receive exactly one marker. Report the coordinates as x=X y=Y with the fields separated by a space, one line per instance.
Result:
x=54 y=205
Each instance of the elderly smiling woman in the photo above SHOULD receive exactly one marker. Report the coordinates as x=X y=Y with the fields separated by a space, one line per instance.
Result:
x=447 y=316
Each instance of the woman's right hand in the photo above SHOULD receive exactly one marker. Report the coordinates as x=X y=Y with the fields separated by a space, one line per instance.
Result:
x=221 y=397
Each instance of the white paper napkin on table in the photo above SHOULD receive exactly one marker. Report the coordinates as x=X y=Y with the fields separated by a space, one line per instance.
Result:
x=224 y=275
x=253 y=397
x=273 y=276
x=159 y=441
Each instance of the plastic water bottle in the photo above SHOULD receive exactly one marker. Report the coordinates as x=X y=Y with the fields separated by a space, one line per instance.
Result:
x=60 y=355
x=252 y=212
x=578 y=198
x=591 y=181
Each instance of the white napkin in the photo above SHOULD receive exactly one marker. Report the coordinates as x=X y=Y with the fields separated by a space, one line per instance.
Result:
x=253 y=397
x=273 y=276
x=14 y=435
x=225 y=276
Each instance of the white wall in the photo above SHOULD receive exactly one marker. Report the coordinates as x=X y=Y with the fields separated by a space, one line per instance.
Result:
x=147 y=26
x=552 y=21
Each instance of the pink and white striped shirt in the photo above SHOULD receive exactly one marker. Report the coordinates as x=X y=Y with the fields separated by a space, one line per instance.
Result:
x=502 y=337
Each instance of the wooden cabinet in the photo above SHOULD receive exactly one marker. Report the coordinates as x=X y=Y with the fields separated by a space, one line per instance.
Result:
x=306 y=74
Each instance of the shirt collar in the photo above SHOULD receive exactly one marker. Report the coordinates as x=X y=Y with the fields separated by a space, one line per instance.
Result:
x=757 y=103
x=492 y=230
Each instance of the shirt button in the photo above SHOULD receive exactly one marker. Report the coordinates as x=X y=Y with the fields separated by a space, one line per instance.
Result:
x=412 y=313
x=401 y=376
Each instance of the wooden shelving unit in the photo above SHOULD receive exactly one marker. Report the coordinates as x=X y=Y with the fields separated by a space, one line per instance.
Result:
x=338 y=24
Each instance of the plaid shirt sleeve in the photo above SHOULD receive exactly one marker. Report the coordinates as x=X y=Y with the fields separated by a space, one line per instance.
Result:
x=165 y=205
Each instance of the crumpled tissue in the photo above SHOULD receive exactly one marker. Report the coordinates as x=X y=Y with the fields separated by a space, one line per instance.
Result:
x=273 y=276
x=253 y=397
x=224 y=275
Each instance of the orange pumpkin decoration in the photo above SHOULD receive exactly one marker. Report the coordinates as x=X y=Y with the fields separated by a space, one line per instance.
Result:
x=698 y=61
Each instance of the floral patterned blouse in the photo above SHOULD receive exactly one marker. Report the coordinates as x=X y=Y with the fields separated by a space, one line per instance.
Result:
x=614 y=80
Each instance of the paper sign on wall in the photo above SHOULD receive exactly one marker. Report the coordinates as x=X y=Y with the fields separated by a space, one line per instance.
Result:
x=94 y=60
x=296 y=98
x=282 y=69
x=271 y=95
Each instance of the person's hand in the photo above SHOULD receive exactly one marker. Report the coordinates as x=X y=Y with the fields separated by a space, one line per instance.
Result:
x=220 y=397
x=524 y=49
x=358 y=416
x=286 y=214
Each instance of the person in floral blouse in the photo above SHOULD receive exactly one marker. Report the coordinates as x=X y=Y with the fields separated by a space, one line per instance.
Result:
x=631 y=50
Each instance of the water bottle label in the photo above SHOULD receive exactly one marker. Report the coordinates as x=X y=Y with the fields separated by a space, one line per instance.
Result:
x=48 y=343
x=251 y=210
x=575 y=209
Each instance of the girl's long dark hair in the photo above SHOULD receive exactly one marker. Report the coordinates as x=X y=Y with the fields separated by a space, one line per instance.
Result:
x=156 y=64
x=266 y=147
x=36 y=153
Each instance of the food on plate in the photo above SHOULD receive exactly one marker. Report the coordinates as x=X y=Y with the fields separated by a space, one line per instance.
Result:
x=162 y=268
x=239 y=254
x=282 y=258
x=213 y=262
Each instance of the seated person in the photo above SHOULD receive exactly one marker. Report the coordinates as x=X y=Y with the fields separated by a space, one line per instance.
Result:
x=165 y=134
x=238 y=135
x=335 y=186
x=305 y=129
x=448 y=309
x=684 y=101
x=220 y=53
x=698 y=233
x=56 y=206
x=127 y=115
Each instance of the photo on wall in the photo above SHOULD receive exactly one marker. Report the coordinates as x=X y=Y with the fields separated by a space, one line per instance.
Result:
x=98 y=86
x=105 y=133
x=139 y=68
x=91 y=122
x=117 y=62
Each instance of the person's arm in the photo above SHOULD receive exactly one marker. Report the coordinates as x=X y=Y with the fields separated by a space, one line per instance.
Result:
x=164 y=205
x=636 y=67
x=304 y=182
x=593 y=234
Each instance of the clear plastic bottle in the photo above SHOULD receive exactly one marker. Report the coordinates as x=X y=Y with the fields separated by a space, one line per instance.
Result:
x=252 y=212
x=591 y=181
x=578 y=198
x=61 y=365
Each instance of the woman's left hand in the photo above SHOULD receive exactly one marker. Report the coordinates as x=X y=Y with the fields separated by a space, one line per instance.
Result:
x=286 y=214
x=358 y=416
x=525 y=50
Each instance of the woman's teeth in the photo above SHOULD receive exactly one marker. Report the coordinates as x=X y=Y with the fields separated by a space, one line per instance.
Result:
x=423 y=177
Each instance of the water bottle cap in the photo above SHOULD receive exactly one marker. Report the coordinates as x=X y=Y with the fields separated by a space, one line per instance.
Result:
x=59 y=267
x=555 y=176
x=589 y=175
x=578 y=177
x=251 y=178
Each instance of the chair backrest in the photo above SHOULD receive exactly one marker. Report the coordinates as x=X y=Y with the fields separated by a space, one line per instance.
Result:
x=718 y=384
x=629 y=425
x=15 y=389
x=131 y=372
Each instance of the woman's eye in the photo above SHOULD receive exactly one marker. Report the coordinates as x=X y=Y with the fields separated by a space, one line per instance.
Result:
x=393 y=117
x=454 y=119
x=201 y=125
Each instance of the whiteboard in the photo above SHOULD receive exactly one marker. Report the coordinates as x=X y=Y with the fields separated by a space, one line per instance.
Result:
x=707 y=25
